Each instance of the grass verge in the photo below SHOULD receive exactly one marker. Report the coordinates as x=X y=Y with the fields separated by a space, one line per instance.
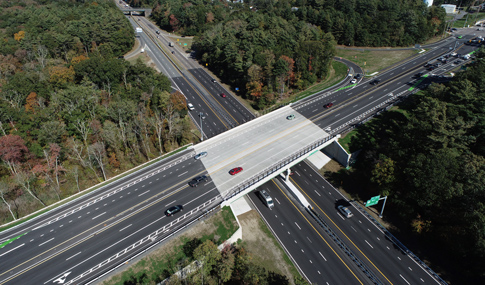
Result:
x=374 y=60
x=170 y=256
x=89 y=190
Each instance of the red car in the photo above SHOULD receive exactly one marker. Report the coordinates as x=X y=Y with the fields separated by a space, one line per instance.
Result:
x=235 y=171
x=326 y=106
x=223 y=95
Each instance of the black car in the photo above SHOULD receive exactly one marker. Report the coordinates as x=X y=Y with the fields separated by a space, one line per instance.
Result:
x=358 y=76
x=174 y=209
x=375 y=81
x=197 y=180
x=419 y=74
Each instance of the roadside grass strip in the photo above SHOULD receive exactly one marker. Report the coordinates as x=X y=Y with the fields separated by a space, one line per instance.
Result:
x=10 y=240
x=345 y=87
x=419 y=82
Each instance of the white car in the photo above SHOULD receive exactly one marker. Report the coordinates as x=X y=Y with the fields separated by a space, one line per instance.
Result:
x=190 y=106
x=200 y=155
x=353 y=81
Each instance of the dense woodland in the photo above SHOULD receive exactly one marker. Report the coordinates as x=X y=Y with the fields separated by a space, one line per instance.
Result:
x=267 y=49
x=429 y=159
x=72 y=113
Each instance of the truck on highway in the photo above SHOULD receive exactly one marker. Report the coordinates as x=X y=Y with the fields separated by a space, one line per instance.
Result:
x=139 y=30
x=170 y=44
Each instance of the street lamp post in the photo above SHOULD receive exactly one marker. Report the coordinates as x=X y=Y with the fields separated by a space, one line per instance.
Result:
x=201 y=115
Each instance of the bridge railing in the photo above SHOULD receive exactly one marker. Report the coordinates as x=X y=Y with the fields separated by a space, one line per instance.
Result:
x=274 y=167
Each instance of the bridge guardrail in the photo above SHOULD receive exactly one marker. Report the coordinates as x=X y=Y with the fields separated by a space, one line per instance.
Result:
x=274 y=167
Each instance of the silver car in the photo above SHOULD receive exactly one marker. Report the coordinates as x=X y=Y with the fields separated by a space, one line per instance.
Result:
x=345 y=211
x=200 y=155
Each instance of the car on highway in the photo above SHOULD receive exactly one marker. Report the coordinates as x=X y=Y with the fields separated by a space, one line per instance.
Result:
x=190 y=106
x=375 y=81
x=419 y=74
x=213 y=80
x=290 y=117
x=328 y=105
x=358 y=76
x=200 y=155
x=173 y=210
x=345 y=211
x=194 y=182
x=223 y=95
x=353 y=81
x=235 y=171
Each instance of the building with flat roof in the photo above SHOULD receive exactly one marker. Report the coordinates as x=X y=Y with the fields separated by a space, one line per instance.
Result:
x=450 y=9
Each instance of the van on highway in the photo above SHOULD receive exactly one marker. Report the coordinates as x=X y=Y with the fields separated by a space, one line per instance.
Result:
x=267 y=200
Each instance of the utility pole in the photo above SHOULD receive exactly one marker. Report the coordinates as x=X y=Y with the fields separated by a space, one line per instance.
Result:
x=201 y=115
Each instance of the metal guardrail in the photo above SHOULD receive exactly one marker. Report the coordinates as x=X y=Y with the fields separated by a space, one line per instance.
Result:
x=274 y=167
x=401 y=246
x=155 y=238
x=343 y=246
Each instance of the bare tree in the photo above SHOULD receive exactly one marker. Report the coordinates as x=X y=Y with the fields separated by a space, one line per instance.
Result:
x=97 y=151
x=2 y=129
x=75 y=173
x=41 y=55
x=23 y=180
x=84 y=129
x=157 y=123
x=76 y=151
x=3 y=190
x=12 y=97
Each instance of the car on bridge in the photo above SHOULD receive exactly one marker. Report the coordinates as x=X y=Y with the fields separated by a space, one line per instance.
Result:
x=235 y=171
x=328 y=105
x=173 y=210
x=200 y=155
x=194 y=182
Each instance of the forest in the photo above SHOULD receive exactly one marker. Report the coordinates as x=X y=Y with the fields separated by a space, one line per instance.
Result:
x=73 y=112
x=428 y=157
x=269 y=49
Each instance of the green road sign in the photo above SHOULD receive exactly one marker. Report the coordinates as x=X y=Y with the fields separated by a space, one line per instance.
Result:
x=374 y=200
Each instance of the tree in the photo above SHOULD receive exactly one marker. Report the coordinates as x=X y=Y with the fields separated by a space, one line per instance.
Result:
x=12 y=151
x=97 y=152
x=209 y=255
x=4 y=189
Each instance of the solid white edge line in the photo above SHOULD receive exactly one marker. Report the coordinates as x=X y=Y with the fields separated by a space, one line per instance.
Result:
x=12 y=249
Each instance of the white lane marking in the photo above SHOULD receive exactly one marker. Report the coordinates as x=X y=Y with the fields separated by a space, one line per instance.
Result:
x=310 y=261
x=31 y=240
x=73 y=256
x=144 y=193
x=41 y=235
x=410 y=268
x=170 y=203
x=318 y=193
x=368 y=230
x=378 y=238
x=398 y=258
x=61 y=279
x=46 y=242
x=297 y=225
x=12 y=249
x=369 y=244
x=182 y=173
x=98 y=215
x=277 y=201
x=322 y=256
x=421 y=280
x=126 y=227
x=302 y=251
x=309 y=240
x=388 y=248
x=295 y=241
x=404 y=279
x=353 y=229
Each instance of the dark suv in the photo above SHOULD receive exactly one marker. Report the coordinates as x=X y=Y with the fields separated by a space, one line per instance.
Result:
x=194 y=182
x=375 y=81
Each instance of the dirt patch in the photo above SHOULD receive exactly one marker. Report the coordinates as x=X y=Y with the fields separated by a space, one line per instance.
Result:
x=332 y=166
x=263 y=248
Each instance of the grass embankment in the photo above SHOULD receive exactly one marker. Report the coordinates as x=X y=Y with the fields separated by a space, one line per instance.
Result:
x=374 y=60
x=171 y=255
x=471 y=20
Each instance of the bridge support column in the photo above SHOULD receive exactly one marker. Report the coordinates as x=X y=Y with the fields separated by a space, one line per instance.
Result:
x=287 y=174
